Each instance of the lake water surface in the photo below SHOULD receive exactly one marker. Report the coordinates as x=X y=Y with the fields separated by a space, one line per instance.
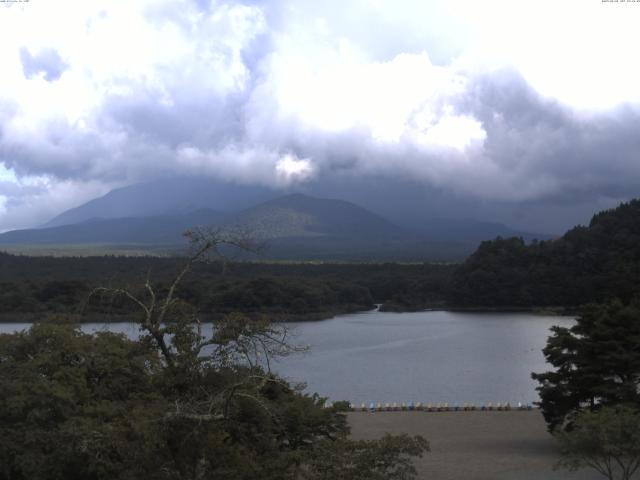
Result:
x=401 y=357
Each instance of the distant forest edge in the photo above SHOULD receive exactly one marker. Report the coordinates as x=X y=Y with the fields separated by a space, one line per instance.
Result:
x=34 y=286
x=587 y=264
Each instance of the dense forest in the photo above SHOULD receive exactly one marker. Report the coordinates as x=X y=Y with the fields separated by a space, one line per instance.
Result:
x=587 y=264
x=32 y=286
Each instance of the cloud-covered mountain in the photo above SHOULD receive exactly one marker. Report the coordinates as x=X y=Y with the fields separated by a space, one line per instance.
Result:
x=147 y=230
x=165 y=197
x=293 y=226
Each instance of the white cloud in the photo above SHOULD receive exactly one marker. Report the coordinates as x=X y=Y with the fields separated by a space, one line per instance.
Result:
x=32 y=201
x=240 y=164
x=579 y=52
x=7 y=175
x=452 y=131
x=291 y=169
x=344 y=92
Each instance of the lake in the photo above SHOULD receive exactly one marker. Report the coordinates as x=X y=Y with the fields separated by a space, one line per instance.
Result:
x=401 y=357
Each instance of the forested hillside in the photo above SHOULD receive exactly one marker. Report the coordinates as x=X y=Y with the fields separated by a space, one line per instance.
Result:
x=586 y=264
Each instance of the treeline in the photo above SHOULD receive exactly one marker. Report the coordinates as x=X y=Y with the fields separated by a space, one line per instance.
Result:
x=287 y=291
x=587 y=264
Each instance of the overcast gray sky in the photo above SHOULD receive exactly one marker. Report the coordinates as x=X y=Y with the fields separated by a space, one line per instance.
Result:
x=530 y=109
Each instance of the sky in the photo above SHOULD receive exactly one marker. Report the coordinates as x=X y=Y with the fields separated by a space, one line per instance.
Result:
x=526 y=112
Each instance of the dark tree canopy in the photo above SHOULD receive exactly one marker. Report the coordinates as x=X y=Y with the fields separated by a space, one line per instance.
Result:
x=33 y=287
x=597 y=362
x=80 y=406
x=587 y=264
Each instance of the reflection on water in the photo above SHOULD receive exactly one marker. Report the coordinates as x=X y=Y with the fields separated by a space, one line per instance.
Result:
x=425 y=356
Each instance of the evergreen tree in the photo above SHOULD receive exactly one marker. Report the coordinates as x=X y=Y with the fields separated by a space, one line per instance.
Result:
x=597 y=362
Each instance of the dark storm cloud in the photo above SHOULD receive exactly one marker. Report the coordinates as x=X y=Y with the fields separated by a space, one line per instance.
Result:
x=59 y=151
x=203 y=120
x=568 y=154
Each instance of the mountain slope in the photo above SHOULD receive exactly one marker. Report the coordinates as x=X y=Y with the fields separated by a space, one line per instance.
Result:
x=288 y=223
x=165 y=197
x=182 y=195
x=289 y=216
x=294 y=226
x=303 y=216
x=158 y=230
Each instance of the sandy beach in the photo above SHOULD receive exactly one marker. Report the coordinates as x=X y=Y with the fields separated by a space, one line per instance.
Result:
x=498 y=445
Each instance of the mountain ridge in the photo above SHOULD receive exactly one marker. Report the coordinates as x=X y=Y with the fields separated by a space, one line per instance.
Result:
x=152 y=230
x=165 y=197
x=295 y=225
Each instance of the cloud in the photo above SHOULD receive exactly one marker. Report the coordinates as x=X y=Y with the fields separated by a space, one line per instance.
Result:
x=240 y=164
x=32 y=201
x=122 y=92
x=529 y=108
x=545 y=149
x=46 y=62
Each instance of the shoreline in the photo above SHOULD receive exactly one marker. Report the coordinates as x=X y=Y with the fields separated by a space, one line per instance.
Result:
x=552 y=310
x=33 y=317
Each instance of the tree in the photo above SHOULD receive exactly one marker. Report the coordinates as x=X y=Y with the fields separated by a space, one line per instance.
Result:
x=176 y=404
x=607 y=440
x=597 y=363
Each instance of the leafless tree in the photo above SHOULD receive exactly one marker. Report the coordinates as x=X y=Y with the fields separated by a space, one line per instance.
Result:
x=235 y=341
